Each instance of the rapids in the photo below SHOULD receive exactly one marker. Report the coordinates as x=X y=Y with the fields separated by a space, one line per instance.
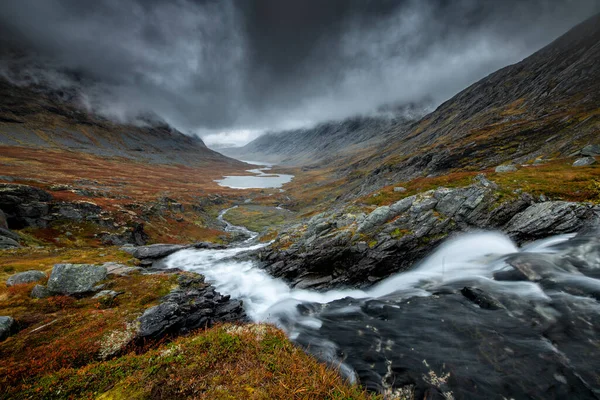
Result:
x=478 y=318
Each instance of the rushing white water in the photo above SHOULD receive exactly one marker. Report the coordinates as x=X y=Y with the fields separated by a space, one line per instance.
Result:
x=261 y=179
x=472 y=256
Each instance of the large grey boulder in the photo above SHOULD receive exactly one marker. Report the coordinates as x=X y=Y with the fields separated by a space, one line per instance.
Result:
x=75 y=278
x=505 y=168
x=591 y=150
x=25 y=277
x=7 y=327
x=584 y=162
x=153 y=251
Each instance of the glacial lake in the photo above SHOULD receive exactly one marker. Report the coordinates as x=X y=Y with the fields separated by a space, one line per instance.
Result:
x=261 y=179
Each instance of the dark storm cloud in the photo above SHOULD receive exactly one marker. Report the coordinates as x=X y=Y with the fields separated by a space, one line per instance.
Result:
x=245 y=66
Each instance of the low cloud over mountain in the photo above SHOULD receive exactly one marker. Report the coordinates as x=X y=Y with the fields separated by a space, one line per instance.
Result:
x=229 y=70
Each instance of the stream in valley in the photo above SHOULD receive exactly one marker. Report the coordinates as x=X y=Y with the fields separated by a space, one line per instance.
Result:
x=479 y=318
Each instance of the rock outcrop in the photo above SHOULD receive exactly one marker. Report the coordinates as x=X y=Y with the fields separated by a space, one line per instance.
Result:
x=24 y=206
x=340 y=249
x=194 y=304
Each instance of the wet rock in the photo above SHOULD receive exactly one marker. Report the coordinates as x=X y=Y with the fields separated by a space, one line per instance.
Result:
x=482 y=299
x=25 y=277
x=7 y=327
x=193 y=305
x=548 y=218
x=208 y=246
x=313 y=283
x=505 y=168
x=40 y=292
x=73 y=279
x=584 y=162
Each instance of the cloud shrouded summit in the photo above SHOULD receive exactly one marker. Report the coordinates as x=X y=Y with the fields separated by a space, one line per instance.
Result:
x=231 y=69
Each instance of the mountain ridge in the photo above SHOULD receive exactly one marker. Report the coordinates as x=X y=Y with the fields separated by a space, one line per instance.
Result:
x=40 y=117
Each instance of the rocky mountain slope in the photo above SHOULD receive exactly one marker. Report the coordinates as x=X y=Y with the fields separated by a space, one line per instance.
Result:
x=324 y=143
x=548 y=105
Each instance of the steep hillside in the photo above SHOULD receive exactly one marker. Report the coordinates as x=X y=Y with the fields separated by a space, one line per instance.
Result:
x=39 y=117
x=548 y=105
x=325 y=142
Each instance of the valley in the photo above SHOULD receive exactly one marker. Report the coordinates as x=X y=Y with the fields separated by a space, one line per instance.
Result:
x=442 y=254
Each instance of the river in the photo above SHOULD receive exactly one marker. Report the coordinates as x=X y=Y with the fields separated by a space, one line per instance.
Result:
x=463 y=323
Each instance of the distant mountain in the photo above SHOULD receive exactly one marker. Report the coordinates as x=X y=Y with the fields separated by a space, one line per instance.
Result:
x=328 y=141
x=42 y=117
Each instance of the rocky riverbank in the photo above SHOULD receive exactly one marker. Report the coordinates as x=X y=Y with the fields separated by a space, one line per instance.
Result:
x=345 y=248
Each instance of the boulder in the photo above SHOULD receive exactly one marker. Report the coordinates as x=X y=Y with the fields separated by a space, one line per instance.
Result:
x=194 y=304
x=8 y=243
x=591 y=150
x=40 y=292
x=7 y=327
x=25 y=277
x=113 y=268
x=72 y=279
x=505 y=168
x=584 y=162
x=153 y=251
x=399 y=189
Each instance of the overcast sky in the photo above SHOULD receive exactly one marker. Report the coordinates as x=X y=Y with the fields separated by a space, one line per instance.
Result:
x=229 y=70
